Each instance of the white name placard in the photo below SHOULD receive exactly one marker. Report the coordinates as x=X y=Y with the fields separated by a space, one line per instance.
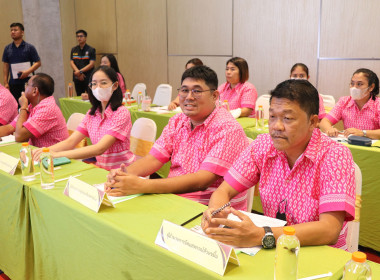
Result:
x=8 y=163
x=195 y=247
x=86 y=194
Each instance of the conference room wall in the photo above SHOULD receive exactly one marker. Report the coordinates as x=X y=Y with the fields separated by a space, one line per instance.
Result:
x=11 y=12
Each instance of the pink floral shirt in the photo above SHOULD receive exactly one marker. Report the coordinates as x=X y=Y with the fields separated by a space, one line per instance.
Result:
x=322 y=180
x=115 y=123
x=243 y=95
x=46 y=123
x=347 y=110
x=212 y=146
x=8 y=106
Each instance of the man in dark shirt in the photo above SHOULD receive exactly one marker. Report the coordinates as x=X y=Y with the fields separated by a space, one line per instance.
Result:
x=20 y=60
x=82 y=61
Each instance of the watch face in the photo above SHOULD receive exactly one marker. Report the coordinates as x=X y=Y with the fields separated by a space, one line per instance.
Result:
x=269 y=241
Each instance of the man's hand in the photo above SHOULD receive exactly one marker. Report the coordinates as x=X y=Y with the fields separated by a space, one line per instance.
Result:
x=332 y=132
x=120 y=183
x=242 y=234
x=23 y=101
x=353 y=131
x=6 y=85
x=77 y=73
x=24 y=75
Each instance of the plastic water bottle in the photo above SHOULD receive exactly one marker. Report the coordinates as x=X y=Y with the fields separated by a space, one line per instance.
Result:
x=260 y=117
x=357 y=268
x=226 y=105
x=286 y=261
x=70 y=90
x=128 y=95
x=139 y=100
x=147 y=101
x=46 y=169
x=27 y=166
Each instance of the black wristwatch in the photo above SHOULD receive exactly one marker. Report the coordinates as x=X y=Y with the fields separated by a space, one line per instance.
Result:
x=268 y=240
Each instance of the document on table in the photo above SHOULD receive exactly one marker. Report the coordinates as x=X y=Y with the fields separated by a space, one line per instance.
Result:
x=116 y=199
x=6 y=140
x=19 y=67
x=258 y=220
x=164 y=110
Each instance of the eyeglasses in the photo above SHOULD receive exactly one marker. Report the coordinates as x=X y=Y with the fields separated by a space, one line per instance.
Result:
x=183 y=92
x=80 y=36
x=26 y=85
x=102 y=84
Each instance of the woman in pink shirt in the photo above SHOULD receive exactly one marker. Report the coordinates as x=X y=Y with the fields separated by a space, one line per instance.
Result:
x=110 y=61
x=300 y=71
x=108 y=125
x=240 y=94
x=360 y=112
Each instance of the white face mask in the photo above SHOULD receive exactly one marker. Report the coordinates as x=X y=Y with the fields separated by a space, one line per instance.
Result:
x=357 y=93
x=103 y=94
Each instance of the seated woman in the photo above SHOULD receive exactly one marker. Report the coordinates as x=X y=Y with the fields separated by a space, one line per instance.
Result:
x=191 y=63
x=108 y=125
x=110 y=61
x=240 y=94
x=301 y=72
x=360 y=112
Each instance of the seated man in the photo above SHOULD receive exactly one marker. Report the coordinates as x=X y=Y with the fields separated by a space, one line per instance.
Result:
x=40 y=120
x=300 y=171
x=8 y=106
x=201 y=143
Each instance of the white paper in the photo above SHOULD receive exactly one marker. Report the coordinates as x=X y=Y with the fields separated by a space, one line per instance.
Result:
x=8 y=163
x=258 y=220
x=164 y=110
x=6 y=140
x=20 y=67
x=116 y=199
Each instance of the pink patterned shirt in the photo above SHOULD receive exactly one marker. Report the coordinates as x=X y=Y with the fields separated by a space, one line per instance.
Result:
x=212 y=146
x=243 y=95
x=322 y=112
x=46 y=123
x=322 y=179
x=347 y=110
x=115 y=123
x=8 y=106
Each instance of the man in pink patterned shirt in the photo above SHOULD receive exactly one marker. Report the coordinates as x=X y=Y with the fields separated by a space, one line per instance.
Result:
x=8 y=106
x=40 y=120
x=302 y=174
x=202 y=143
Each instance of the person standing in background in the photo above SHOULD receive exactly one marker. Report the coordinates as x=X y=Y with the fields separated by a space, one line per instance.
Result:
x=82 y=61
x=20 y=60
x=110 y=61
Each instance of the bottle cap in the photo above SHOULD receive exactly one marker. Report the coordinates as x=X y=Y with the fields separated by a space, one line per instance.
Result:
x=359 y=257
x=25 y=144
x=70 y=84
x=45 y=150
x=289 y=230
x=123 y=103
x=260 y=106
x=140 y=92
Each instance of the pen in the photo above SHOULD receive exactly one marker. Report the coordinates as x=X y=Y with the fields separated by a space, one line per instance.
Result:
x=220 y=209
x=192 y=219
x=317 y=276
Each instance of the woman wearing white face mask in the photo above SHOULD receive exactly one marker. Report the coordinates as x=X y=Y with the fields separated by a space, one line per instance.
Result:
x=360 y=112
x=108 y=125
x=300 y=71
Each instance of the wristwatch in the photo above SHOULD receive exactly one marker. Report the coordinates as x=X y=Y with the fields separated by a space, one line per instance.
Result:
x=268 y=240
x=81 y=71
x=364 y=133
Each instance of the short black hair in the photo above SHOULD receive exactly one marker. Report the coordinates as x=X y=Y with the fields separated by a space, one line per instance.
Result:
x=195 y=61
x=44 y=83
x=117 y=96
x=17 y=24
x=372 y=79
x=301 y=91
x=303 y=66
x=242 y=65
x=202 y=72
x=81 y=31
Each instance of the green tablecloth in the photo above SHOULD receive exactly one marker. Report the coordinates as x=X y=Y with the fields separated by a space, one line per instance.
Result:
x=46 y=235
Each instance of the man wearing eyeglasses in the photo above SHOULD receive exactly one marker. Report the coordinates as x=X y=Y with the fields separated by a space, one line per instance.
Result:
x=82 y=61
x=201 y=143
x=304 y=177
x=40 y=121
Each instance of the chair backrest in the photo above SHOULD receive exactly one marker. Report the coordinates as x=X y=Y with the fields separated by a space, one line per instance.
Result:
x=352 y=238
x=263 y=100
x=72 y=123
x=138 y=87
x=163 y=95
x=328 y=100
x=143 y=135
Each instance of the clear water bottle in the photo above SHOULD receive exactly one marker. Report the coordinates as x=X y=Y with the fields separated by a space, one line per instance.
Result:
x=70 y=91
x=286 y=261
x=27 y=166
x=357 y=268
x=260 y=117
x=226 y=105
x=139 y=100
x=46 y=169
x=147 y=101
